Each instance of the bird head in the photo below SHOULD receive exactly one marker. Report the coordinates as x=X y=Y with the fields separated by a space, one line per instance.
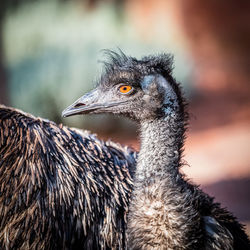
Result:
x=139 y=89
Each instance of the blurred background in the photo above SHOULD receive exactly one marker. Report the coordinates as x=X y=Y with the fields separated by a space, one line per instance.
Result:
x=50 y=52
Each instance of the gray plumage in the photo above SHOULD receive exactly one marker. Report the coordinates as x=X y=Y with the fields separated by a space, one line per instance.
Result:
x=166 y=210
x=60 y=188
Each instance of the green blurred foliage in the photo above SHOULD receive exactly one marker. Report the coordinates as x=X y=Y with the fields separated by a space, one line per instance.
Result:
x=52 y=50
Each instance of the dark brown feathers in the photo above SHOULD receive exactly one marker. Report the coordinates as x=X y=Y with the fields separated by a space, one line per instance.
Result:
x=60 y=188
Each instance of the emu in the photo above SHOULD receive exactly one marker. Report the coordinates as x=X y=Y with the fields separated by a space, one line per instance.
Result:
x=166 y=210
x=61 y=188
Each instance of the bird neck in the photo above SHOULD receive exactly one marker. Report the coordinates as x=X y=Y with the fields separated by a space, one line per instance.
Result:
x=160 y=207
x=160 y=153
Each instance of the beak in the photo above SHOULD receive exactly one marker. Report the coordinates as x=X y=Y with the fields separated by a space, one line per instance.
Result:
x=84 y=105
x=92 y=102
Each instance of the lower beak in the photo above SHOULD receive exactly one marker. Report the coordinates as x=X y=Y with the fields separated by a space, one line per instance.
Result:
x=73 y=110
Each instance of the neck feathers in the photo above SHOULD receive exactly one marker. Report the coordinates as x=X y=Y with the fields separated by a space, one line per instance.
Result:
x=158 y=202
x=161 y=146
x=162 y=136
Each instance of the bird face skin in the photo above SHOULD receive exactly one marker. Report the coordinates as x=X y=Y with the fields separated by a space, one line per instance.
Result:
x=129 y=87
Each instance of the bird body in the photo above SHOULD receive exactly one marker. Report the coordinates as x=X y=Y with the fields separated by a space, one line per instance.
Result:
x=61 y=188
x=166 y=210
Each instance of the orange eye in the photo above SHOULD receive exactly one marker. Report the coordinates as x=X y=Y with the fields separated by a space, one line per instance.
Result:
x=125 y=89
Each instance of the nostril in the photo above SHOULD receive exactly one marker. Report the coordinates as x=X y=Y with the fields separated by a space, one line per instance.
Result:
x=79 y=105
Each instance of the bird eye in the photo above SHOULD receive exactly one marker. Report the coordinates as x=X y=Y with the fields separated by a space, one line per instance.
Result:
x=125 y=89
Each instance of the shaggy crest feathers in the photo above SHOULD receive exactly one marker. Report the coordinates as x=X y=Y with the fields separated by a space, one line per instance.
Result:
x=162 y=63
x=118 y=62
x=60 y=188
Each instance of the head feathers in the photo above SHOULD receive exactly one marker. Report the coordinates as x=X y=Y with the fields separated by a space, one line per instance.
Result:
x=154 y=64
